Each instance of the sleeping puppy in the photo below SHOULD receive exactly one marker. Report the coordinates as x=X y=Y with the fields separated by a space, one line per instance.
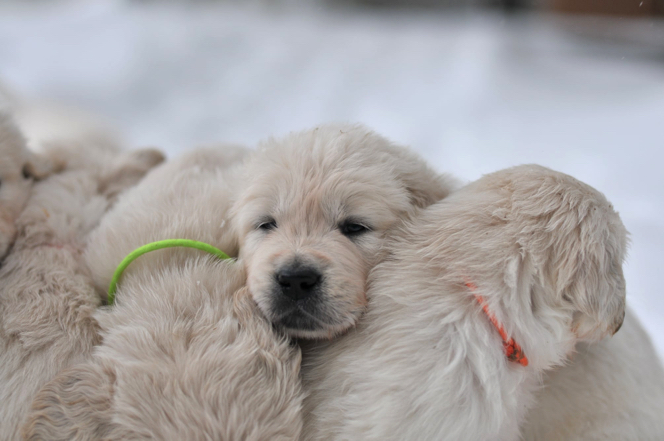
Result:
x=313 y=217
x=609 y=391
x=186 y=355
x=480 y=294
x=46 y=294
x=18 y=170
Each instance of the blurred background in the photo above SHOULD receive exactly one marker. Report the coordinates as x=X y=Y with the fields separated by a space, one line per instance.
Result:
x=473 y=85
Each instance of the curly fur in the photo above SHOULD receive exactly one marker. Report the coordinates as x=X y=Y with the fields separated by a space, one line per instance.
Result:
x=425 y=363
x=185 y=353
x=47 y=299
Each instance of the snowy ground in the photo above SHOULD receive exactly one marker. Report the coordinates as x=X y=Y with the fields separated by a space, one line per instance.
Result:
x=473 y=93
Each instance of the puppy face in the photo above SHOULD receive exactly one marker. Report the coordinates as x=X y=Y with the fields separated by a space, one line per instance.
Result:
x=314 y=217
x=18 y=168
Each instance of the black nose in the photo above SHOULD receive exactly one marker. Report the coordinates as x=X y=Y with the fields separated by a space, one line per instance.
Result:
x=296 y=284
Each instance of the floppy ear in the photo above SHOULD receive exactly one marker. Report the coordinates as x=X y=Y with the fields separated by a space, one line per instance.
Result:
x=73 y=406
x=424 y=185
x=590 y=274
x=578 y=244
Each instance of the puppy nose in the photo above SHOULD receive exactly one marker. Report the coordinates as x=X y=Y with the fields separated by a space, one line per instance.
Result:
x=299 y=283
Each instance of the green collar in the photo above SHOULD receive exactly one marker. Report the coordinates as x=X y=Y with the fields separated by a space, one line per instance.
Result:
x=168 y=243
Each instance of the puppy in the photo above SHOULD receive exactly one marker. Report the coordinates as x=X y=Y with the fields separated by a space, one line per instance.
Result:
x=609 y=391
x=18 y=170
x=312 y=219
x=541 y=251
x=186 y=355
x=46 y=295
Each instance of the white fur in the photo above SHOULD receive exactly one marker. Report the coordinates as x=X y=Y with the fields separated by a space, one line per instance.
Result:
x=46 y=295
x=425 y=363
x=609 y=391
x=186 y=355
x=18 y=170
x=309 y=183
x=187 y=198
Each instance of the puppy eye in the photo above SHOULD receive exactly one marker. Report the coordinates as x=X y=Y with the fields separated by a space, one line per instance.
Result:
x=26 y=172
x=267 y=224
x=353 y=228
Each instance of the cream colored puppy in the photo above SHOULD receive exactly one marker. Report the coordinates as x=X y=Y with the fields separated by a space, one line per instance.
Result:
x=18 y=170
x=313 y=217
x=46 y=295
x=609 y=391
x=186 y=355
x=543 y=251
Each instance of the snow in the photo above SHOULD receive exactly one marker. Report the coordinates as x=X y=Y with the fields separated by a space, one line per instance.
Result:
x=473 y=92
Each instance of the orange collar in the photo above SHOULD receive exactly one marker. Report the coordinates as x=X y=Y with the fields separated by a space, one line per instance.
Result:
x=513 y=351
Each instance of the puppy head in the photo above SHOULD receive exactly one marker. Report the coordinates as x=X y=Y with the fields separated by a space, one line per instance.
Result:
x=18 y=170
x=313 y=218
x=573 y=243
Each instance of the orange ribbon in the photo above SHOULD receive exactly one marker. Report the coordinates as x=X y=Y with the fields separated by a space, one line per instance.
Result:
x=513 y=351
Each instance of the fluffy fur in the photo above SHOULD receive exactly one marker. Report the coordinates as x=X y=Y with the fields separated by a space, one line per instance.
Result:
x=18 y=170
x=319 y=205
x=425 y=363
x=187 y=198
x=610 y=391
x=185 y=353
x=46 y=296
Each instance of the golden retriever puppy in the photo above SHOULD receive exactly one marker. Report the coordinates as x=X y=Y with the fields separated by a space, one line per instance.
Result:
x=609 y=391
x=313 y=217
x=480 y=294
x=18 y=170
x=186 y=354
x=46 y=294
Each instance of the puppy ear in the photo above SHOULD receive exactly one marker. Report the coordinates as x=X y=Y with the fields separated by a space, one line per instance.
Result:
x=424 y=185
x=74 y=405
x=129 y=169
x=591 y=275
x=577 y=242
